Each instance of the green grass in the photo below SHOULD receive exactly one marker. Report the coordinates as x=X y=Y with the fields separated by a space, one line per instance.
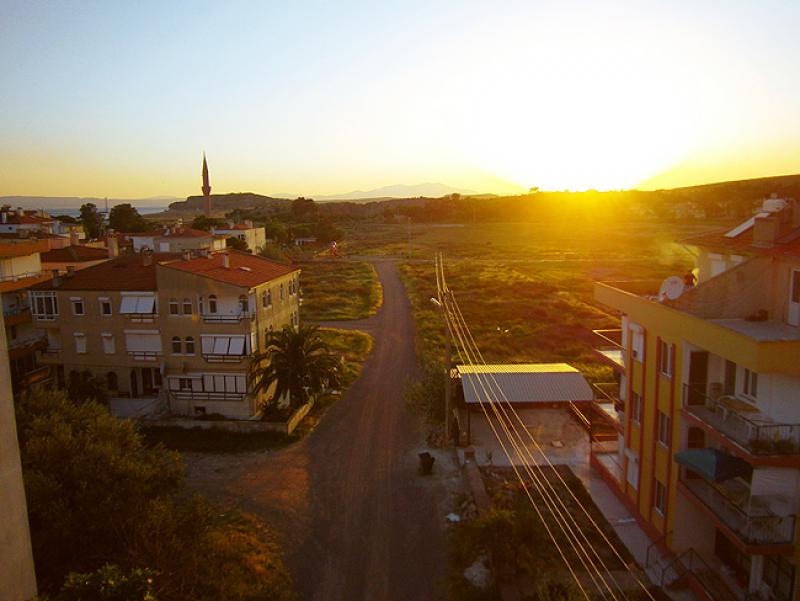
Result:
x=334 y=290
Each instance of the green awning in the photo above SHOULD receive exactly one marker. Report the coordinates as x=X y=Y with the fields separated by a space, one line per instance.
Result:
x=713 y=464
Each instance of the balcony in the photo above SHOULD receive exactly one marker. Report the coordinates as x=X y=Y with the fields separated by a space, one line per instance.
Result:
x=226 y=317
x=610 y=349
x=747 y=517
x=35 y=376
x=194 y=395
x=742 y=423
x=21 y=347
x=17 y=315
x=607 y=403
x=144 y=355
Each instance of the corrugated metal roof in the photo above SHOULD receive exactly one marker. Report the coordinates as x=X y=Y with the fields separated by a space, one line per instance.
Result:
x=524 y=383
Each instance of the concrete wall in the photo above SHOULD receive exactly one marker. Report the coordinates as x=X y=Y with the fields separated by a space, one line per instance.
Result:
x=17 y=578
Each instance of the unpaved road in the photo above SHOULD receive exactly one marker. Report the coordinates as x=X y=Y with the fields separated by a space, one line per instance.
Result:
x=355 y=518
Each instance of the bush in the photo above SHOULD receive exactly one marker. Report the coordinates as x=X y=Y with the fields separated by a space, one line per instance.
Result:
x=426 y=394
x=109 y=583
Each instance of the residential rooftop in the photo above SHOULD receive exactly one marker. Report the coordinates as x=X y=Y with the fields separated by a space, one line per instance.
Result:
x=243 y=269
x=74 y=254
x=128 y=272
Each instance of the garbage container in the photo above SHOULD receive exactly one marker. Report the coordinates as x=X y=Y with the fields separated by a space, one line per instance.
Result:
x=426 y=463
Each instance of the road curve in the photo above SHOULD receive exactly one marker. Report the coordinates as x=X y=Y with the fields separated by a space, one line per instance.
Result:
x=355 y=518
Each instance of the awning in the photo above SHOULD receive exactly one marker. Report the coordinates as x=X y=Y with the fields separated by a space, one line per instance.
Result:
x=713 y=464
x=524 y=383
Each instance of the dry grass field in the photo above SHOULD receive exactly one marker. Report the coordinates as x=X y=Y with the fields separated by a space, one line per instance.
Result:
x=338 y=289
x=526 y=289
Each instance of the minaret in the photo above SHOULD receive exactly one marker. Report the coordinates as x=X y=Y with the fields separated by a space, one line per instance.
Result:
x=206 y=187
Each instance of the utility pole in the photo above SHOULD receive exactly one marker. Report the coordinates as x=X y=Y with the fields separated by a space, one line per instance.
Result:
x=447 y=361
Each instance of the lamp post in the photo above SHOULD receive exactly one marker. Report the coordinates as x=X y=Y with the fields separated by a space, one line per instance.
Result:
x=447 y=360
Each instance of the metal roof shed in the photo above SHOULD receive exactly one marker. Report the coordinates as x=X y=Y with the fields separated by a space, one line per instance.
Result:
x=527 y=383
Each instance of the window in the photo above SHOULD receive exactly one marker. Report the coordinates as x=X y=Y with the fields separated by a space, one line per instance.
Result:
x=105 y=307
x=281 y=292
x=269 y=297
x=189 y=346
x=80 y=343
x=637 y=340
x=109 y=348
x=665 y=350
x=264 y=299
x=77 y=306
x=111 y=381
x=730 y=378
x=663 y=428
x=45 y=305
x=632 y=475
x=750 y=383
x=173 y=306
x=796 y=286
x=212 y=304
x=660 y=497
x=200 y=305
x=187 y=306
x=176 y=345
x=243 y=304
x=636 y=407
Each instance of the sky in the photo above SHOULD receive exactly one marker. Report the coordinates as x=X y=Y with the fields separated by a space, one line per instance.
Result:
x=120 y=99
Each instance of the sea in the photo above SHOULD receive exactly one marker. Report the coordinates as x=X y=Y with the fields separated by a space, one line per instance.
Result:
x=77 y=212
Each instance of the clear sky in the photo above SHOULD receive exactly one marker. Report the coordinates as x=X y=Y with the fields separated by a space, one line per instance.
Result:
x=121 y=98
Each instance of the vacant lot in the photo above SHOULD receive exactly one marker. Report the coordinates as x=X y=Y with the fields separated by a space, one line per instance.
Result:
x=339 y=289
x=526 y=289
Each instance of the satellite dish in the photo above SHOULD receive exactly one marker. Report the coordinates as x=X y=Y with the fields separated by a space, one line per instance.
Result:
x=671 y=288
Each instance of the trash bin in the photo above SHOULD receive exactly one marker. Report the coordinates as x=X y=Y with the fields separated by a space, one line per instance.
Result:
x=426 y=463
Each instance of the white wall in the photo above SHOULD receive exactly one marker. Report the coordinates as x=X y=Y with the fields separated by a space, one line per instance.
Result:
x=16 y=266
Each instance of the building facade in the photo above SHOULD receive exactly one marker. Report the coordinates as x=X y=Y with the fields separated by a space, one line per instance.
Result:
x=168 y=333
x=254 y=237
x=176 y=239
x=708 y=408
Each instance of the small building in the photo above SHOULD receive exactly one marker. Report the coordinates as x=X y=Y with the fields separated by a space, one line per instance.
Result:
x=176 y=239
x=527 y=384
x=254 y=237
x=73 y=257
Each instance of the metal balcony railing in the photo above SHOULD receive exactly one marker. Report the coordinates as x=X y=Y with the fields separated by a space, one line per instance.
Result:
x=751 y=518
x=610 y=345
x=753 y=430
x=194 y=395
x=226 y=317
x=21 y=276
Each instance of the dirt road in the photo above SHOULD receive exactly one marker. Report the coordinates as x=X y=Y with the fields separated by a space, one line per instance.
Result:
x=356 y=519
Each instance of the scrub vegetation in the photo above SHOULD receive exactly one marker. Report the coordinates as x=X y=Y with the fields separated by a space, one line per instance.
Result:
x=334 y=290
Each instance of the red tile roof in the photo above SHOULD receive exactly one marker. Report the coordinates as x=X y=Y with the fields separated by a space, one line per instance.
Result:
x=127 y=272
x=245 y=270
x=75 y=254
x=787 y=245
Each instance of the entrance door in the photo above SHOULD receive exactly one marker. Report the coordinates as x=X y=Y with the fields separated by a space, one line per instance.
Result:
x=794 y=298
x=147 y=381
x=698 y=377
x=134 y=384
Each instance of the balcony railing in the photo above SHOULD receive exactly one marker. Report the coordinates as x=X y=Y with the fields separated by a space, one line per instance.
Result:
x=145 y=355
x=610 y=346
x=608 y=403
x=14 y=311
x=750 y=518
x=226 y=317
x=20 y=343
x=753 y=430
x=194 y=395
x=15 y=277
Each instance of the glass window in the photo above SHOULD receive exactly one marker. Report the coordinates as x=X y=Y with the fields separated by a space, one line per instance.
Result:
x=111 y=381
x=281 y=291
x=190 y=346
x=187 y=306
x=109 y=348
x=176 y=345
x=173 y=306
x=750 y=383
x=77 y=306
x=105 y=307
x=243 y=305
x=80 y=343
x=663 y=428
x=212 y=304
x=665 y=351
x=660 y=497
x=636 y=407
x=264 y=299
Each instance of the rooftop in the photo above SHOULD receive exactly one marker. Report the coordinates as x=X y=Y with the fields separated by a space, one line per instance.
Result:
x=244 y=270
x=761 y=331
x=21 y=247
x=786 y=245
x=524 y=383
x=75 y=254
x=172 y=232
x=128 y=272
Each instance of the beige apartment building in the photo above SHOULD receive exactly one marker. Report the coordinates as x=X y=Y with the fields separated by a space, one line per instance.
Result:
x=168 y=333
x=254 y=237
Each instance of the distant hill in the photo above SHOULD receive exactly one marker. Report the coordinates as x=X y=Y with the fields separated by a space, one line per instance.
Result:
x=222 y=203
x=428 y=190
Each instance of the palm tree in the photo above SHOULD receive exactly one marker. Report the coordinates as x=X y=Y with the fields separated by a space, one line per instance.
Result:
x=298 y=362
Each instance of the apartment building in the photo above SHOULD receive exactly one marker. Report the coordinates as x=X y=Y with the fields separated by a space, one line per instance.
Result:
x=176 y=238
x=167 y=332
x=707 y=406
x=254 y=237
x=13 y=221
x=21 y=268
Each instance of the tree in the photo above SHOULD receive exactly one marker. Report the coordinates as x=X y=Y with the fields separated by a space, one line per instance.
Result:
x=298 y=363
x=109 y=583
x=303 y=209
x=274 y=252
x=83 y=386
x=88 y=480
x=91 y=220
x=125 y=218
x=201 y=222
x=236 y=244
x=276 y=231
